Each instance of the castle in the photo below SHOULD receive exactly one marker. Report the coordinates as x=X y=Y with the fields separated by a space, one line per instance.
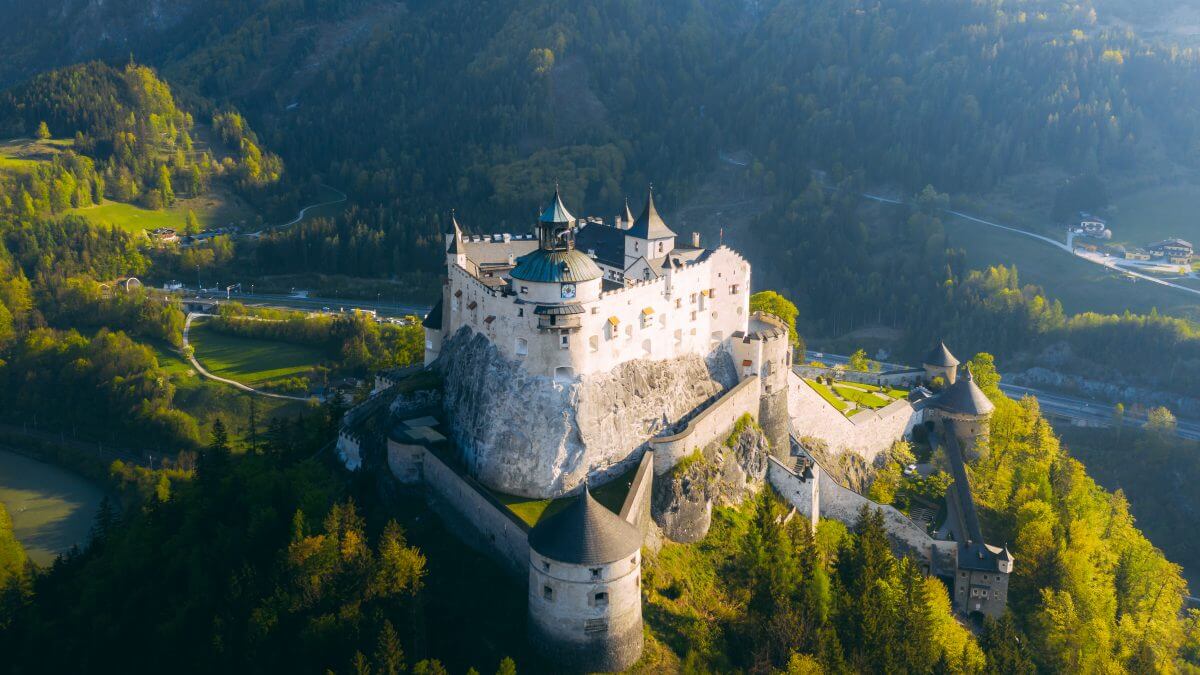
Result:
x=591 y=350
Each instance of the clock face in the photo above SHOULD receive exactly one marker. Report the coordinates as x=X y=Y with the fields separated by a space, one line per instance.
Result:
x=568 y=291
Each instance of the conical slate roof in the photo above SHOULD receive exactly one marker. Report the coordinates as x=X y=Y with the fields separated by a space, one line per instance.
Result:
x=965 y=397
x=628 y=215
x=456 y=236
x=556 y=212
x=585 y=533
x=940 y=356
x=650 y=225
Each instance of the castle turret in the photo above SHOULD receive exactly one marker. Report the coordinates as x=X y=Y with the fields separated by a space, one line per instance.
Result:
x=585 y=610
x=939 y=362
x=456 y=251
x=965 y=411
x=648 y=237
x=764 y=350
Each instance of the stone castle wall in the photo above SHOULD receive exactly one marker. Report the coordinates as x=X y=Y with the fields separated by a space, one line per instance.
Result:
x=691 y=308
x=896 y=378
x=712 y=424
x=844 y=505
x=460 y=501
x=868 y=433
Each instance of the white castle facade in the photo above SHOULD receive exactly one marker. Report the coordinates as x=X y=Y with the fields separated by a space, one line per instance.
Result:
x=583 y=296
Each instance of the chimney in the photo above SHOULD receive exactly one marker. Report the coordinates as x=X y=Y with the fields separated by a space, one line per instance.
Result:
x=512 y=260
x=695 y=240
x=506 y=237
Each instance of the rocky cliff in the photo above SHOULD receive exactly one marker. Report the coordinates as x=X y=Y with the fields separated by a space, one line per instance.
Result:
x=723 y=474
x=531 y=436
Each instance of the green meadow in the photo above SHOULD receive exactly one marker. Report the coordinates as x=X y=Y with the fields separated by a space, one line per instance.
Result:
x=249 y=361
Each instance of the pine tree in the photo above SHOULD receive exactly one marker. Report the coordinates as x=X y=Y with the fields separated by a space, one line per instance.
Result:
x=507 y=667
x=389 y=655
x=252 y=426
x=43 y=131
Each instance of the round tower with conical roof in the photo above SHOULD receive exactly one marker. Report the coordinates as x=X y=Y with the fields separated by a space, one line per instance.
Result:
x=939 y=362
x=965 y=411
x=585 y=608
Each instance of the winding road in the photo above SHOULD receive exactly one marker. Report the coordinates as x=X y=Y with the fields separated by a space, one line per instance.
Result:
x=304 y=212
x=1097 y=259
x=191 y=356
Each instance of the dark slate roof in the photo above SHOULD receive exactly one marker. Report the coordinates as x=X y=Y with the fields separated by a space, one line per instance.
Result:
x=433 y=320
x=628 y=215
x=557 y=310
x=940 y=356
x=607 y=242
x=965 y=397
x=585 y=533
x=650 y=225
x=456 y=236
x=556 y=212
x=569 y=266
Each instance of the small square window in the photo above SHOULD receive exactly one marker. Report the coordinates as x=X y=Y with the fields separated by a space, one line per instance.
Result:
x=601 y=599
x=596 y=572
x=548 y=593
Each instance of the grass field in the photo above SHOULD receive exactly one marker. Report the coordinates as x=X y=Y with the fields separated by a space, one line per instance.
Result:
x=1156 y=213
x=1080 y=285
x=611 y=495
x=249 y=361
x=212 y=210
x=21 y=154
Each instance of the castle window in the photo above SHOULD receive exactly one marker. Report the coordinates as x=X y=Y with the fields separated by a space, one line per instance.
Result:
x=693 y=315
x=596 y=572
x=678 y=303
x=647 y=346
x=545 y=566
x=548 y=593
x=601 y=599
x=524 y=289
x=594 y=343
x=520 y=311
x=522 y=347
x=564 y=342
x=660 y=247
x=692 y=298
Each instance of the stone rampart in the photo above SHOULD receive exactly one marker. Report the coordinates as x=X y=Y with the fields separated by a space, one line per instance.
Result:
x=712 y=424
x=909 y=377
x=460 y=500
x=844 y=505
x=868 y=433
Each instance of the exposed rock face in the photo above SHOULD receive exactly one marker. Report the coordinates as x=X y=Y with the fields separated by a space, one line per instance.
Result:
x=529 y=435
x=724 y=474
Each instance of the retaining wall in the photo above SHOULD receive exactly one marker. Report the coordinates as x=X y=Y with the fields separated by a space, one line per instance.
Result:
x=460 y=500
x=712 y=424
x=844 y=505
x=907 y=378
x=867 y=433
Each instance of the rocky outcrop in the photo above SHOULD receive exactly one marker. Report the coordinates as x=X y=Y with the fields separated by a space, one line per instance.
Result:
x=723 y=474
x=529 y=435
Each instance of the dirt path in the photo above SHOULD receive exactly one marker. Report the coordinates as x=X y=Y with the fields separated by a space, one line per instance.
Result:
x=191 y=356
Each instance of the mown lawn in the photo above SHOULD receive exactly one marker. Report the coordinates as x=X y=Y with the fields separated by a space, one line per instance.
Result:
x=611 y=495
x=864 y=399
x=249 y=361
x=827 y=394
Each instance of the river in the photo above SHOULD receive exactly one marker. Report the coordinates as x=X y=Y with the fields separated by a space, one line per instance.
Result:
x=52 y=509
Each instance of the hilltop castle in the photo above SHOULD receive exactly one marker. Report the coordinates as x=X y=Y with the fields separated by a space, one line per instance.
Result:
x=590 y=350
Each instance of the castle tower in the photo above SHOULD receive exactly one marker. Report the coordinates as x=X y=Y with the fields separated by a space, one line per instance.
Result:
x=965 y=411
x=648 y=237
x=939 y=362
x=585 y=602
x=763 y=349
x=456 y=252
x=558 y=280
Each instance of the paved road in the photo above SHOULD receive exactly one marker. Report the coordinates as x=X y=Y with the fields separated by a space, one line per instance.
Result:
x=1092 y=258
x=187 y=325
x=1061 y=405
x=313 y=303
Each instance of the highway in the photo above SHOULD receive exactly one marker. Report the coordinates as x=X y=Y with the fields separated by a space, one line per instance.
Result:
x=1075 y=409
x=310 y=303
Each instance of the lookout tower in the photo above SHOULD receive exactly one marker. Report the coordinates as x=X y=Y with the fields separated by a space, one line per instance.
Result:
x=585 y=602
x=965 y=411
x=939 y=362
